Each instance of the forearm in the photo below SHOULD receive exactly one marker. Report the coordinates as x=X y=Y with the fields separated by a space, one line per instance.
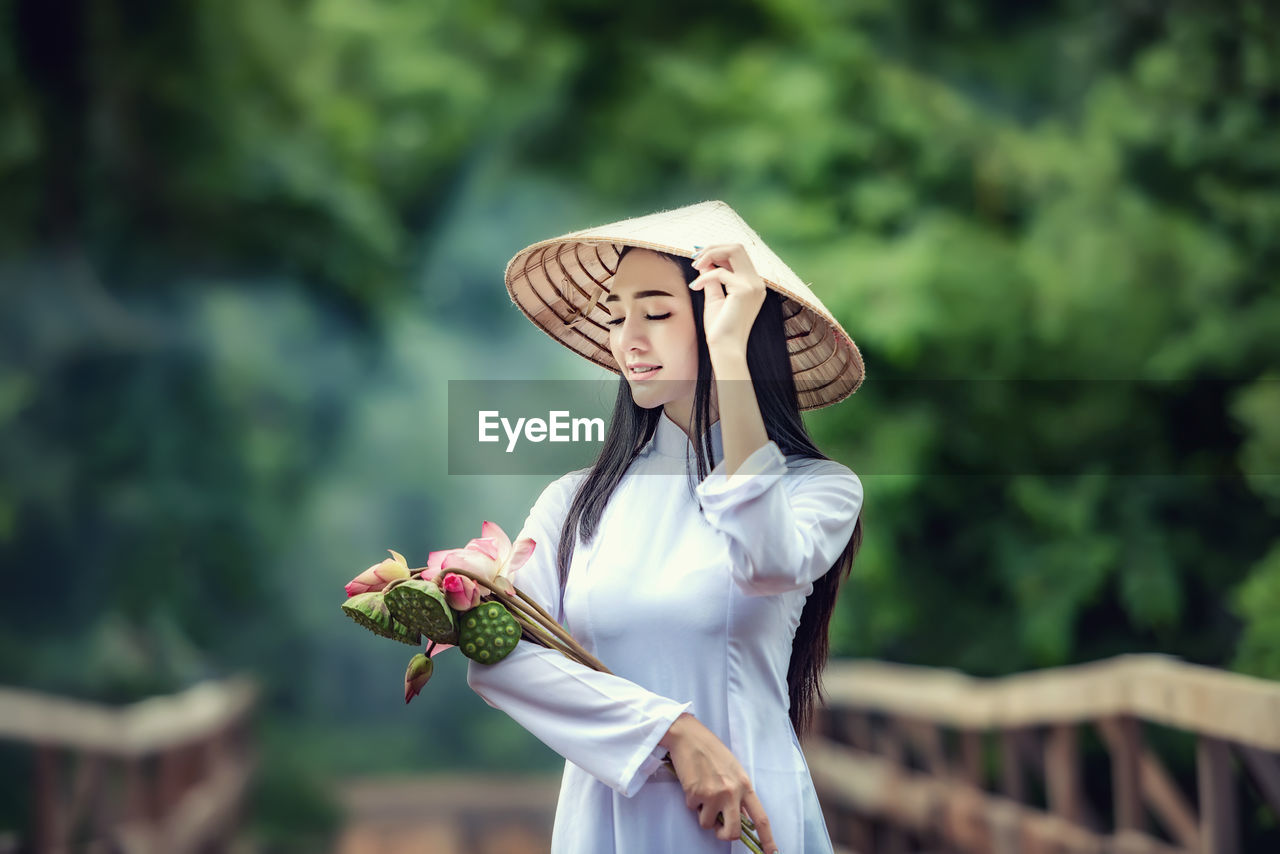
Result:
x=676 y=731
x=605 y=724
x=742 y=430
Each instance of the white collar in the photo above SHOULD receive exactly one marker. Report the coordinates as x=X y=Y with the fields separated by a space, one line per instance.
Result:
x=669 y=440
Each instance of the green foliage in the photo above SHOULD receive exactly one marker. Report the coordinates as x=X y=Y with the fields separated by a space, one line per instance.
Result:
x=1257 y=601
x=1063 y=218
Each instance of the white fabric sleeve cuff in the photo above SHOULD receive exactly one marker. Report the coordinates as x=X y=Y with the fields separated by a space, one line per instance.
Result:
x=756 y=474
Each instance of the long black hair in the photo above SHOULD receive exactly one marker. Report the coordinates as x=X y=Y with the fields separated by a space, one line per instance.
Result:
x=632 y=426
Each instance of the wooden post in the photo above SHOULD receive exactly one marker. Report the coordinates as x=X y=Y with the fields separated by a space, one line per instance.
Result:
x=925 y=742
x=971 y=757
x=46 y=830
x=889 y=745
x=85 y=788
x=1266 y=771
x=1219 y=819
x=1010 y=766
x=859 y=730
x=857 y=831
x=1062 y=772
x=1126 y=774
x=137 y=798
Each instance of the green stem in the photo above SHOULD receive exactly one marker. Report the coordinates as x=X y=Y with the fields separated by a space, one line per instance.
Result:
x=540 y=635
x=749 y=836
x=538 y=615
x=546 y=620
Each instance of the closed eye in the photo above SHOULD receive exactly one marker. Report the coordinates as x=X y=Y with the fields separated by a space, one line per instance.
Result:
x=618 y=320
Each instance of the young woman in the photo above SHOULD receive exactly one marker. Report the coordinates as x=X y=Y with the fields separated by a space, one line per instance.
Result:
x=709 y=598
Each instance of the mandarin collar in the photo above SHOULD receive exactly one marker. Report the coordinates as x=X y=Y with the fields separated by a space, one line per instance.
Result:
x=671 y=441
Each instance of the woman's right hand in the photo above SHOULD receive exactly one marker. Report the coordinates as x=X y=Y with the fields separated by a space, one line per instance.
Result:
x=714 y=781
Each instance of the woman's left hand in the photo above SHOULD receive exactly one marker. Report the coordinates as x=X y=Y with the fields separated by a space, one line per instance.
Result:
x=733 y=299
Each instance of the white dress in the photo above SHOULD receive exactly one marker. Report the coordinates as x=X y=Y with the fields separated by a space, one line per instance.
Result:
x=693 y=610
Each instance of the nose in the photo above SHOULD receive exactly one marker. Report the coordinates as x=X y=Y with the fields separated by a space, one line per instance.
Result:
x=631 y=335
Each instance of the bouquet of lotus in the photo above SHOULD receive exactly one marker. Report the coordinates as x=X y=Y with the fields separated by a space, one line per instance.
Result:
x=465 y=598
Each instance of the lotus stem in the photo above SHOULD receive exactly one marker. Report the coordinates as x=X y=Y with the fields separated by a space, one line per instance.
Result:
x=749 y=836
x=546 y=620
x=541 y=636
x=539 y=616
x=533 y=603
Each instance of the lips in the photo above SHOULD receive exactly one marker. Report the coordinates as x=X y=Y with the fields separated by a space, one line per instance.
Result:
x=644 y=375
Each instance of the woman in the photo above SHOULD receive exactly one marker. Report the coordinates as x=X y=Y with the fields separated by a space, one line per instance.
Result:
x=708 y=598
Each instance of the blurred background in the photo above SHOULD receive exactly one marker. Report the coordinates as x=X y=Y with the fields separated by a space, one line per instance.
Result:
x=245 y=246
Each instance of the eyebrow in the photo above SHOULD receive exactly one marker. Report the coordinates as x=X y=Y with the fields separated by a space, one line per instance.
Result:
x=640 y=295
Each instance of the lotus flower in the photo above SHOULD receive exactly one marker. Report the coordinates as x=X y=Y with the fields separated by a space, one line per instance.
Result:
x=416 y=676
x=379 y=575
x=463 y=594
x=491 y=556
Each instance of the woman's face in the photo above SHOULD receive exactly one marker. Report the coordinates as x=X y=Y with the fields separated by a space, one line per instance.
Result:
x=652 y=324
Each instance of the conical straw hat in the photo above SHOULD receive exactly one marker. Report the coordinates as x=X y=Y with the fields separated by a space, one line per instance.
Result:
x=558 y=284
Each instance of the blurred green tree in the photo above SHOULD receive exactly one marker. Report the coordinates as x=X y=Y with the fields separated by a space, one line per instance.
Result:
x=1050 y=227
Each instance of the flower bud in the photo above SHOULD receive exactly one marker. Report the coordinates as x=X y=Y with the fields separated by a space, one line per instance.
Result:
x=416 y=676
x=379 y=575
x=462 y=593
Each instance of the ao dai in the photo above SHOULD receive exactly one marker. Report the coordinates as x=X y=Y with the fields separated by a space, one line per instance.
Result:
x=693 y=609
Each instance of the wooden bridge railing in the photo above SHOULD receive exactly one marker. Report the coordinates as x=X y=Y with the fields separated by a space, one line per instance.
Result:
x=901 y=754
x=164 y=775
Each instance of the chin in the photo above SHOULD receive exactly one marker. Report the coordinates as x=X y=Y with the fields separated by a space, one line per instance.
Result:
x=651 y=395
x=647 y=401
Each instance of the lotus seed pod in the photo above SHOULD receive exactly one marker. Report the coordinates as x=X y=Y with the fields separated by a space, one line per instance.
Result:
x=487 y=633
x=370 y=610
x=421 y=606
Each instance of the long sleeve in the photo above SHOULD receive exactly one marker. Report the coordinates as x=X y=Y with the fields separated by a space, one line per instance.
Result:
x=606 y=725
x=784 y=530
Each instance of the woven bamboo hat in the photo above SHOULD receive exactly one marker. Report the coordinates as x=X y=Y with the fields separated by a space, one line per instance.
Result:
x=558 y=284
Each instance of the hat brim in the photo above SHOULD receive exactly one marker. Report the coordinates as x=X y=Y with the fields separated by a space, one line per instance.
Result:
x=559 y=284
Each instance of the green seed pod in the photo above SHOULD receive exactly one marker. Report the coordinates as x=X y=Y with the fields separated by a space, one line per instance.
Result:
x=488 y=633
x=421 y=606
x=370 y=610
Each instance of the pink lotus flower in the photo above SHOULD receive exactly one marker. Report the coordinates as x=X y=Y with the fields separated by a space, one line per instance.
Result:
x=462 y=594
x=491 y=556
x=379 y=575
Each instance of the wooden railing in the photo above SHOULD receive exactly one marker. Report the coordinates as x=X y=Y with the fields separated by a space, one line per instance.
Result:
x=901 y=758
x=164 y=775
